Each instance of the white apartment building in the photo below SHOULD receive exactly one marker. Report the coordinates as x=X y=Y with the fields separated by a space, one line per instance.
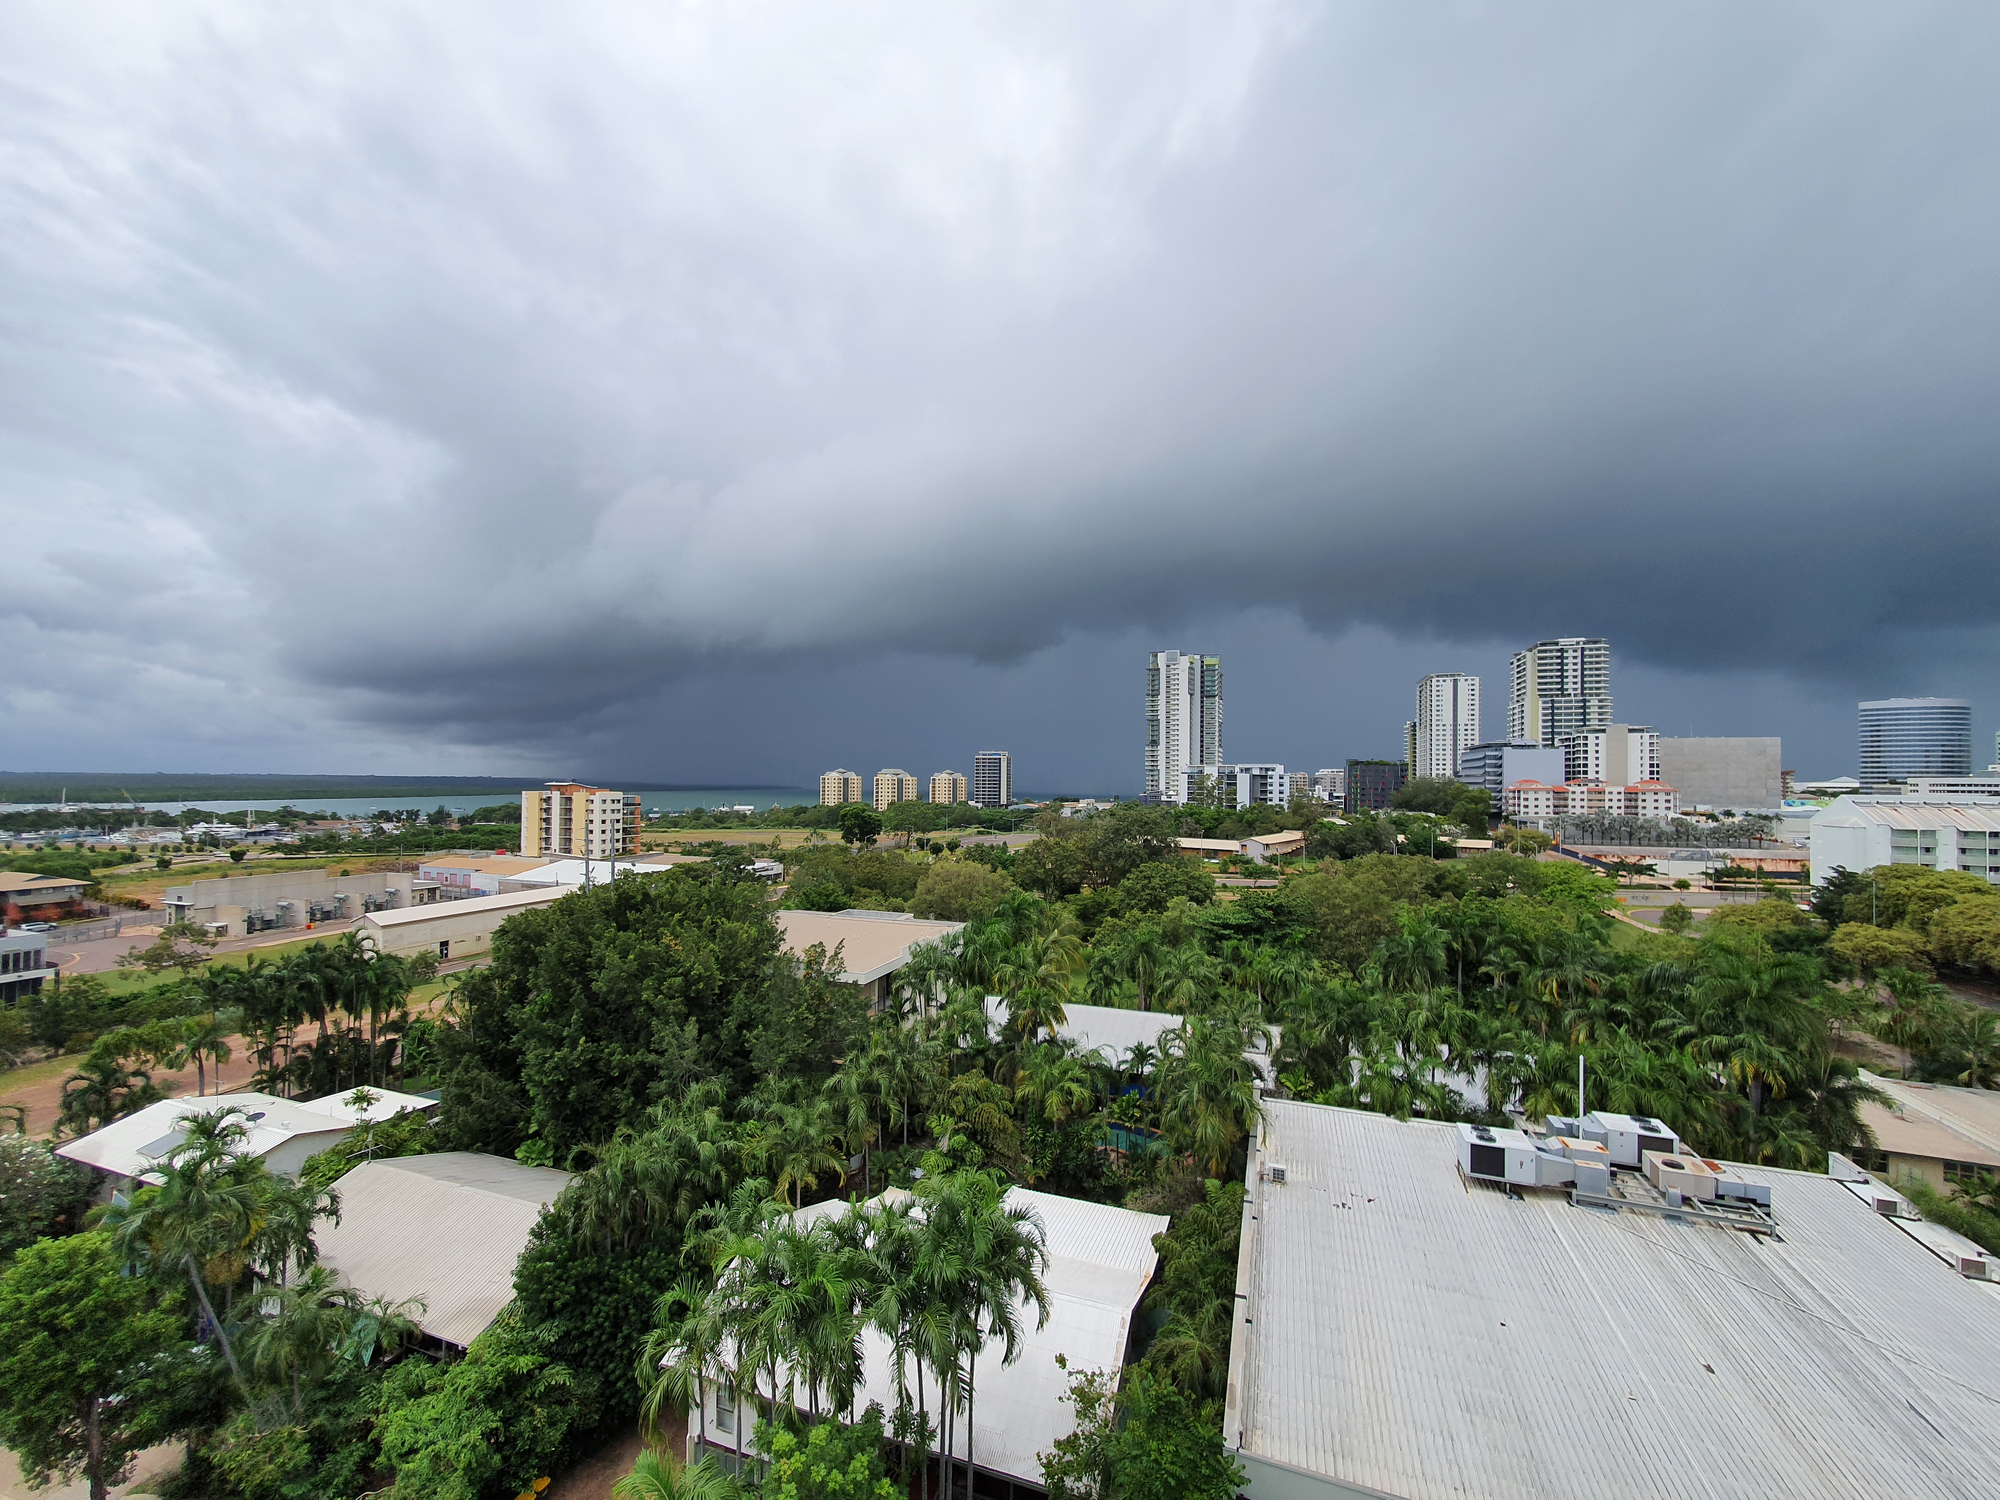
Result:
x=894 y=786
x=1560 y=687
x=1330 y=784
x=949 y=786
x=583 y=822
x=838 y=788
x=1447 y=723
x=992 y=779
x=1619 y=754
x=1183 y=720
x=1242 y=786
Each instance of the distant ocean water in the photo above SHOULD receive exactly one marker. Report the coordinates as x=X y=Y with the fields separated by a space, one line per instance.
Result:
x=458 y=802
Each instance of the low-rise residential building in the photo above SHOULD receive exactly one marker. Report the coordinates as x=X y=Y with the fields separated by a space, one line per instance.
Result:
x=1262 y=847
x=281 y=1133
x=443 y=1230
x=893 y=786
x=838 y=788
x=872 y=945
x=949 y=787
x=1404 y=1327
x=1100 y=1260
x=586 y=822
x=1938 y=833
x=1935 y=1133
x=29 y=897
x=24 y=966
x=1534 y=804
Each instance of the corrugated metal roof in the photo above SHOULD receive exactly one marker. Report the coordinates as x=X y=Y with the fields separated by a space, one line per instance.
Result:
x=1928 y=1119
x=135 y=1145
x=472 y=905
x=1102 y=1028
x=1100 y=1259
x=1410 y=1333
x=445 y=1228
x=1861 y=812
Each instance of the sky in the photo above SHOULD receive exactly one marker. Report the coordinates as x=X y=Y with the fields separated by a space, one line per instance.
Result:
x=718 y=394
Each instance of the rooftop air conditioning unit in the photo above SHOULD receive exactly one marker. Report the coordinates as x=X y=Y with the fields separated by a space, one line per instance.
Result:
x=1275 y=1172
x=1974 y=1267
x=1688 y=1175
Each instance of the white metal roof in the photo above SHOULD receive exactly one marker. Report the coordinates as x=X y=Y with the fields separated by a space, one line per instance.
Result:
x=1412 y=1335
x=1105 y=1029
x=384 y=1104
x=445 y=1228
x=472 y=905
x=1100 y=1260
x=137 y=1144
x=1973 y=813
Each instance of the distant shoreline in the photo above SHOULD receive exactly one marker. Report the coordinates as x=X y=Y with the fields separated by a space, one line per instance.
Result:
x=35 y=787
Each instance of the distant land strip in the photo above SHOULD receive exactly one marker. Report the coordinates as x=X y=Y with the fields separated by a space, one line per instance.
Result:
x=156 y=786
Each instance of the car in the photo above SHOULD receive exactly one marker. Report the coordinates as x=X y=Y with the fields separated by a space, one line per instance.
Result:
x=38 y=927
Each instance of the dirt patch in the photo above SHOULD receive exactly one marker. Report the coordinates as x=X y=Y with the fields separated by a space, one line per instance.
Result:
x=38 y=1087
x=592 y=1476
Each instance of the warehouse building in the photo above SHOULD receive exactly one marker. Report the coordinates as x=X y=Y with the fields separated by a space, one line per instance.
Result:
x=1408 y=1327
x=1938 y=833
x=451 y=929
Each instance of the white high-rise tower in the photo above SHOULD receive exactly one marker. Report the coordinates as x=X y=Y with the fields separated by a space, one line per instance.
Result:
x=1561 y=687
x=1183 y=720
x=1447 y=723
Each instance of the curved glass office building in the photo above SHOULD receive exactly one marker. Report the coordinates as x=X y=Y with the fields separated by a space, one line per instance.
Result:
x=1905 y=737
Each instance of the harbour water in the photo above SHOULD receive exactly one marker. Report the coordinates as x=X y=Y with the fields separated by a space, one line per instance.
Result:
x=458 y=802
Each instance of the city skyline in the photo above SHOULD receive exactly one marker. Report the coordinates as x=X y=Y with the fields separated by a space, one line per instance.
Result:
x=341 y=457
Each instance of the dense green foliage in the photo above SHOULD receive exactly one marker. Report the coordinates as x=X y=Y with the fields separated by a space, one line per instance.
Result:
x=78 y=1343
x=40 y=1194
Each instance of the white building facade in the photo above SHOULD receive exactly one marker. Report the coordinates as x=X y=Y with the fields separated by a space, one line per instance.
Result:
x=1330 y=784
x=1241 y=786
x=585 y=822
x=992 y=779
x=1863 y=833
x=1560 y=687
x=1619 y=754
x=1447 y=723
x=1183 y=720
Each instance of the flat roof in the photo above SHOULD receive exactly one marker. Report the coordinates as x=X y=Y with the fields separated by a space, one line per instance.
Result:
x=446 y=1228
x=492 y=864
x=1935 y=1120
x=1406 y=1333
x=1100 y=1260
x=872 y=943
x=436 y=911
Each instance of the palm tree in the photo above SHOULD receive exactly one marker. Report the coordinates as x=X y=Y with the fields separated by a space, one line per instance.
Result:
x=101 y=1090
x=1186 y=976
x=797 y=1144
x=655 y=1476
x=1038 y=974
x=203 y=1037
x=1207 y=1091
x=310 y=1326
x=1056 y=1082
x=1137 y=957
x=987 y=1259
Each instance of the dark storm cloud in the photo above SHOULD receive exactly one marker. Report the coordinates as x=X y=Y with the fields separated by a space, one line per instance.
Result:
x=679 y=387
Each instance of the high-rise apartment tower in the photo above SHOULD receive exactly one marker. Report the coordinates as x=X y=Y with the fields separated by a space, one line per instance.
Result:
x=948 y=786
x=1183 y=720
x=1447 y=723
x=892 y=786
x=1560 y=687
x=837 y=788
x=992 y=779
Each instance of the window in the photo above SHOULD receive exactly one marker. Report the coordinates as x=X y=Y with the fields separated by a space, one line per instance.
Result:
x=1963 y=1171
x=725 y=1410
x=1876 y=1162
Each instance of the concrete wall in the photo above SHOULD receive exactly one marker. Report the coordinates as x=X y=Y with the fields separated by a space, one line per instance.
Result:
x=1718 y=773
x=228 y=899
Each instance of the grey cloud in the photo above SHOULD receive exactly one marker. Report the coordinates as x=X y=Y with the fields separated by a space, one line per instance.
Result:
x=512 y=387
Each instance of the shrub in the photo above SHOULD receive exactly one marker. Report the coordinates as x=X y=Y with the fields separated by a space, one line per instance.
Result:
x=40 y=1194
